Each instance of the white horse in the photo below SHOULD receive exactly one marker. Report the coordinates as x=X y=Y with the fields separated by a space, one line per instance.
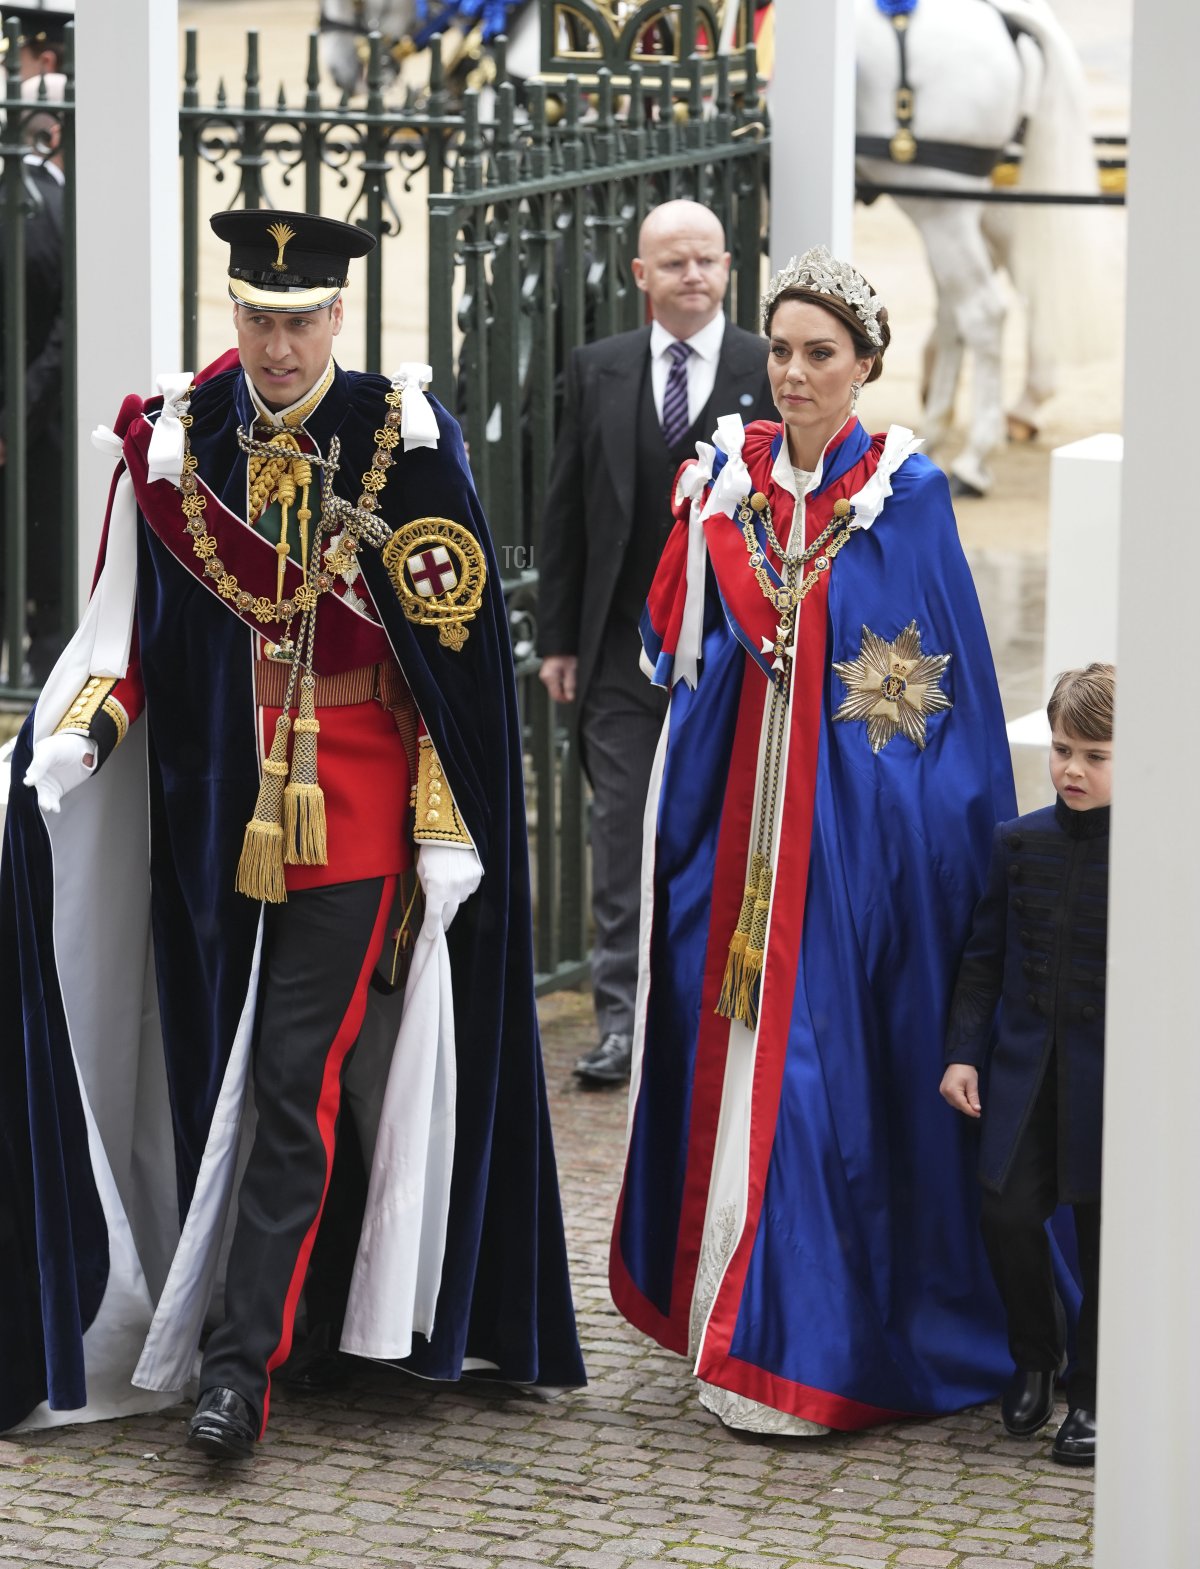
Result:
x=972 y=85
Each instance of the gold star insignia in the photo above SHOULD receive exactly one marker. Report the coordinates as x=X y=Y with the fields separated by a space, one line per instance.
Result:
x=892 y=687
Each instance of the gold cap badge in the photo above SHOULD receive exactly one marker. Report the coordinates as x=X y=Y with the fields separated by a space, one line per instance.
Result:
x=281 y=234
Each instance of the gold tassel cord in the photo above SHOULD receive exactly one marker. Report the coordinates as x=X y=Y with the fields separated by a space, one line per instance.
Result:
x=304 y=831
x=403 y=936
x=732 y=985
x=260 y=868
x=289 y=824
x=302 y=479
x=287 y=494
x=756 y=944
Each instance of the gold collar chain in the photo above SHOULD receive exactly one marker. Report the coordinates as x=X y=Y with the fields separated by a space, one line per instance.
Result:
x=355 y=525
x=824 y=548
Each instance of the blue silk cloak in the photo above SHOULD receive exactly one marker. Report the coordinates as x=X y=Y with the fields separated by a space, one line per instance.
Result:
x=853 y=1285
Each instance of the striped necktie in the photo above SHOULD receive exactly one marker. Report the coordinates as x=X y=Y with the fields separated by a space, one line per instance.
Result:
x=675 y=399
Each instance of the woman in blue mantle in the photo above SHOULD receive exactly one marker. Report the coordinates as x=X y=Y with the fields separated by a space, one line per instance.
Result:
x=798 y=1211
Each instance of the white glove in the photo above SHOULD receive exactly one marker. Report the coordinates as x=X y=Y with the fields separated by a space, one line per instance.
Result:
x=448 y=874
x=59 y=763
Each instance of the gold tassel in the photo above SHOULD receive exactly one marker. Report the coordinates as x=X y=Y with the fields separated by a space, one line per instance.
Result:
x=304 y=833
x=732 y=985
x=260 y=868
x=755 y=949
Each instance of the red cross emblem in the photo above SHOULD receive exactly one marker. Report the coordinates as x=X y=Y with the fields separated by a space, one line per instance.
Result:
x=432 y=572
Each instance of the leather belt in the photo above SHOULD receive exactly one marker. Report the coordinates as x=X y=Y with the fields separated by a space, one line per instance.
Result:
x=367 y=683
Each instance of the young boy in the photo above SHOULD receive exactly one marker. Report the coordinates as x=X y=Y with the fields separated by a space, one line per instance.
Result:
x=1037 y=948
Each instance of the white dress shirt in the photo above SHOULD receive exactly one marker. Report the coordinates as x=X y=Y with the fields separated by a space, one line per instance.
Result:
x=701 y=364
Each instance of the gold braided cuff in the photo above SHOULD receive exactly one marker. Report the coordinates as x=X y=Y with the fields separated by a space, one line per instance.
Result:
x=78 y=718
x=437 y=820
x=117 y=714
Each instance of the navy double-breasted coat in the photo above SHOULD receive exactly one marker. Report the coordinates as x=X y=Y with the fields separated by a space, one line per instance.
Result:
x=1037 y=951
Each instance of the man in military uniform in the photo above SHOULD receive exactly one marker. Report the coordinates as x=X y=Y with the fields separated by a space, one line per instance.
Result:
x=298 y=609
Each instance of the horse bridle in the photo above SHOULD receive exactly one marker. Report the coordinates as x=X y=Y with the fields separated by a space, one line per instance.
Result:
x=902 y=146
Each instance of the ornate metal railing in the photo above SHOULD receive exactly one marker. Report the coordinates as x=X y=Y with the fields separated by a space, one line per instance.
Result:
x=529 y=257
x=346 y=161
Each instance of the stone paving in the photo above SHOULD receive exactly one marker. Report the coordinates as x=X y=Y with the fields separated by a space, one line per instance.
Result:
x=628 y=1472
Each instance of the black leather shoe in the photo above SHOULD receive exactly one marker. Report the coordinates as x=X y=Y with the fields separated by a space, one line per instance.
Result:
x=1028 y=1402
x=223 y=1425
x=315 y=1372
x=315 y=1365
x=1075 y=1441
x=607 y=1063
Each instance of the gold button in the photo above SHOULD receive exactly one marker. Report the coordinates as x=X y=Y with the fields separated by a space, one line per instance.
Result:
x=432 y=817
x=435 y=800
x=758 y=501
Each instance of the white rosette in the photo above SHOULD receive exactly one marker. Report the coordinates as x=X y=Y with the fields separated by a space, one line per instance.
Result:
x=690 y=487
x=418 y=422
x=732 y=484
x=164 y=460
x=868 y=503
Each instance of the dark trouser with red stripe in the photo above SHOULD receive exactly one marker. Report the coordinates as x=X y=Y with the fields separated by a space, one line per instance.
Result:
x=318 y=953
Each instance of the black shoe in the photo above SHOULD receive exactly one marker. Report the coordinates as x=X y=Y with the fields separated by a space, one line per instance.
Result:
x=607 y=1063
x=1075 y=1441
x=1028 y=1402
x=315 y=1365
x=315 y=1371
x=223 y=1425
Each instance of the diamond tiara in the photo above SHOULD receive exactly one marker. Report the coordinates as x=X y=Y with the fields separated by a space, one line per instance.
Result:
x=824 y=274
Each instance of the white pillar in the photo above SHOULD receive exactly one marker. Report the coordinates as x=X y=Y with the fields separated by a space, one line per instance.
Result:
x=127 y=224
x=1149 y=1438
x=1081 y=562
x=812 y=128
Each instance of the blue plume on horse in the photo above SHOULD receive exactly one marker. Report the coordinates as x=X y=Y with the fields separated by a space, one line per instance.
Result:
x=896 y=7
x=492 y=15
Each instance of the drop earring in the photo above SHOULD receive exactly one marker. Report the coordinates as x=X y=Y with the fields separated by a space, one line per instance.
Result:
x=855 y=389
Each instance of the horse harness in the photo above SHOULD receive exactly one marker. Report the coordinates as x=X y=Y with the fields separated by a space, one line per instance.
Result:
x=902 y=146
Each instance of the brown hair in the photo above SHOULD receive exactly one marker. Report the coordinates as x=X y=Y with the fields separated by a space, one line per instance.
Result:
x=1081 y=704
x=863 y=347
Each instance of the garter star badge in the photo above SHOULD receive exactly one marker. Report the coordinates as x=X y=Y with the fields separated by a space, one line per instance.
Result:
x=892 y=687
x=438 y=571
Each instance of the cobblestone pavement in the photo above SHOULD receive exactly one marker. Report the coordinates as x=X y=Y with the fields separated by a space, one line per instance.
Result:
x=628 y=1472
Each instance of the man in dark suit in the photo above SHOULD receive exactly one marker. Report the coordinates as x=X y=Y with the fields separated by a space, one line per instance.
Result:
x=635 y=406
